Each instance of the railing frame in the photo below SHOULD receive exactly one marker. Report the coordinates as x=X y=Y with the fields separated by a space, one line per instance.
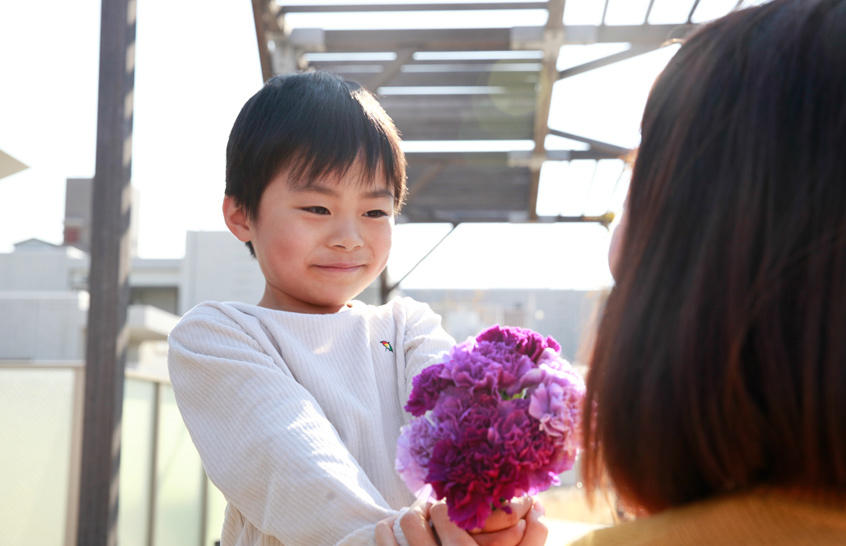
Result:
x=75 y=448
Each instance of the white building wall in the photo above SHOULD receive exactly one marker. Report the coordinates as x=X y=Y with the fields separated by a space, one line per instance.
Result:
x=155 y=272
x=219 y=267
x=43 y=325
x=38 y=269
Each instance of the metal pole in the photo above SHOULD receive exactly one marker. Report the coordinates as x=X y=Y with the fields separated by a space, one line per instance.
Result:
x=108 y=279
x=152 y=485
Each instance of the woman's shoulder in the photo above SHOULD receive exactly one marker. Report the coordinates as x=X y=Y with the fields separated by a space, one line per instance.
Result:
x=760 y=517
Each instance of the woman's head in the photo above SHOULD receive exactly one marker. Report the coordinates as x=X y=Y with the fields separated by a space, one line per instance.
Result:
x=720 y=362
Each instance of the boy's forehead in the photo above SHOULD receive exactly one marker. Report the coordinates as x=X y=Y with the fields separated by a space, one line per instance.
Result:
x=302 y=177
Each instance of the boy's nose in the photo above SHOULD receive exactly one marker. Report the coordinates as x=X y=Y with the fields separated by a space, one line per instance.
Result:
x=347 y=236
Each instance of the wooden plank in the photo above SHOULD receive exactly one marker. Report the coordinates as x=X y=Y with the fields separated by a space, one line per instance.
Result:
x=512 y=159
x=420 y=181
x=438 y=65
x=467 y=130
x=473 y=187
x=360 y=73
x=634 y=34
x=421 y=106
x=417 y=39
x=107 y=334
x=525 y=80
x=461 y=117
x=292 y=7
x=486 y=39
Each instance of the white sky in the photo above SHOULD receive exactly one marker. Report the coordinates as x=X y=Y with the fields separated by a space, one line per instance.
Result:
x=196 y=67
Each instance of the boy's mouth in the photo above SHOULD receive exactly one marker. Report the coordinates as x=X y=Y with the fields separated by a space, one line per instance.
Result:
x=339 y=267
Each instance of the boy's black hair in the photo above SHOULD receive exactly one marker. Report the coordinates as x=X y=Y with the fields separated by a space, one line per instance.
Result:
x=315 y=124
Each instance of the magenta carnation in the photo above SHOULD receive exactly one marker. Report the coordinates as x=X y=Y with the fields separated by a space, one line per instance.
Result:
x=498 y=418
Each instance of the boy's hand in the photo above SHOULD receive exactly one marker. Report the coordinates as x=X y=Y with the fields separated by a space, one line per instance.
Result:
x=500 y=519
x=522 y=527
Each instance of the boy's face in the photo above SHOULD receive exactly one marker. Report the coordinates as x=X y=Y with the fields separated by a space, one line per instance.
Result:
x=320 y=246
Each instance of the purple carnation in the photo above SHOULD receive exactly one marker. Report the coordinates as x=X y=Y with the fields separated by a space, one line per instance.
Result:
x=426 y=388
x=498 y=418
x=525 y=341
x=413 y=452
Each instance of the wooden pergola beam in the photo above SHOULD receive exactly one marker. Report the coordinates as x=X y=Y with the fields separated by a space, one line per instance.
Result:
x=389 y=71
x=598 y=145
x=553 y=39
x=633 y=51
x=260 y=13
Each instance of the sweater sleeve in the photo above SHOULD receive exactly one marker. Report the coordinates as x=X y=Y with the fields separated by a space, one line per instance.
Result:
x=425 y=341
x=264 y=440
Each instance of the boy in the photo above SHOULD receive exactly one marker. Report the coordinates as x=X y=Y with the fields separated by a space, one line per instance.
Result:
x=295 y=404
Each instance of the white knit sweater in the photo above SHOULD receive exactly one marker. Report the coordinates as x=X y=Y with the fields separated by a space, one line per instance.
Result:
x=296 y=416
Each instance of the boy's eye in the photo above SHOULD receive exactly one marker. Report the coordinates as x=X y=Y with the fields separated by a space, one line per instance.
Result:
x=376 y=213
x=316 y=210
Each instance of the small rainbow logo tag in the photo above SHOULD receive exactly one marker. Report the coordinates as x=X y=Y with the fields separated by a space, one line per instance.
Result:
x=387 y=345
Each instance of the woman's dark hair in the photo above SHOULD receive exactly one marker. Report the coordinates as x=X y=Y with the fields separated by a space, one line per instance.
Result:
x=720 y=359
x=315 y=124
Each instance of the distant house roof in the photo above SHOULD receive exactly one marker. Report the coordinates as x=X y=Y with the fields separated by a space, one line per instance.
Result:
x=39 y=245
x=34 y=243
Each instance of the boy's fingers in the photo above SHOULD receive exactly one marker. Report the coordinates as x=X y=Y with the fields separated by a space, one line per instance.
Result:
x=415 y=526
x=536 y=531
x=511 y=536
x=449 y=533
x=384 y=533
x=500 y=519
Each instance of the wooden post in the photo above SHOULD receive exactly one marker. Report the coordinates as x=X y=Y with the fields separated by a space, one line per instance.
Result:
x=108 y=279
x=553 y=40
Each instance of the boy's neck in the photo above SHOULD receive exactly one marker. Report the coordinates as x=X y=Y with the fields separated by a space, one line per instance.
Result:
x=270 y=300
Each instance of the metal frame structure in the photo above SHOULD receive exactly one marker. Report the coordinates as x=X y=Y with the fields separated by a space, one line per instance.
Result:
x=457 y=187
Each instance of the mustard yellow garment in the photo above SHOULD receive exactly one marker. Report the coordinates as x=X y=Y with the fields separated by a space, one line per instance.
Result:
x=764 y=517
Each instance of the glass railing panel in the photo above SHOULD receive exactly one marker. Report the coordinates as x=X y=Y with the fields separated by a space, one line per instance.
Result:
x=215 y=509
x=136 y=462
x=36 y=408
x=178 y=508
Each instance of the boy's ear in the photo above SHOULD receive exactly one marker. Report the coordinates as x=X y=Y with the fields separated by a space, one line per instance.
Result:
x=237 y=220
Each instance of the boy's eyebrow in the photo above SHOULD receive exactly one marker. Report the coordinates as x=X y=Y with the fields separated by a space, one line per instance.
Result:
x=384 y=192
x=328 y=190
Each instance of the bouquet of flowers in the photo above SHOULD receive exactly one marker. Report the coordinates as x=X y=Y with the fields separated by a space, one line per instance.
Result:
x=498 y=418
